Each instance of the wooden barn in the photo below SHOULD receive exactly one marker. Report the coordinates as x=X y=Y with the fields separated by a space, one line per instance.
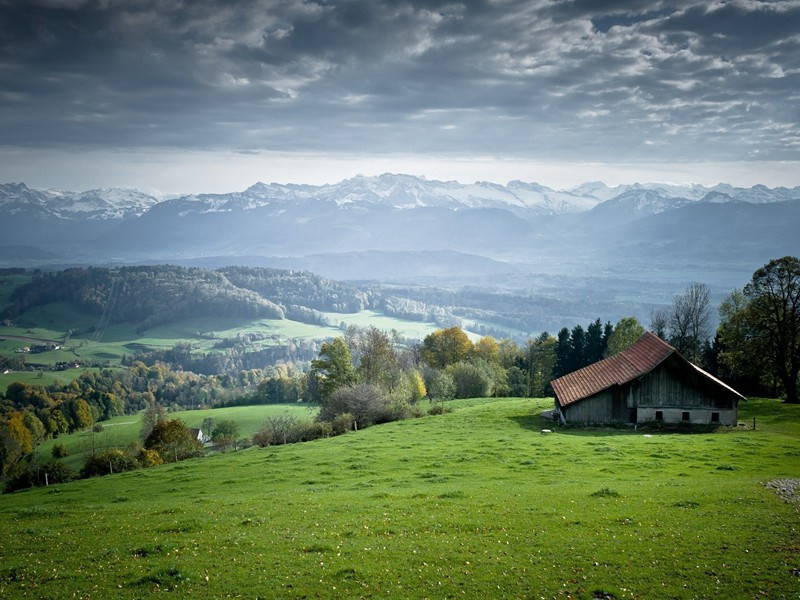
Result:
x=650 y=381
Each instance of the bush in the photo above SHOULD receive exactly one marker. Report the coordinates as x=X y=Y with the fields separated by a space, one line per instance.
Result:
x=148 y=458
x=342 y=423
x=439 y=408
x=107 y=462
x=57 y=472
x=225 y=433
x=58 y=451
x=366 y=403
x=440 y=385
x=471 y=380
x=279 y=429
x=173 y=441
x=30 y=476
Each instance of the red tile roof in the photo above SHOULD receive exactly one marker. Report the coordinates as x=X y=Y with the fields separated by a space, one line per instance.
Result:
x=643 y=356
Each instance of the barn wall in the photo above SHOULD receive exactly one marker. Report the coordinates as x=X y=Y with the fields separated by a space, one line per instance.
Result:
x=674 y=388
x=606 y=407
x=697 y=416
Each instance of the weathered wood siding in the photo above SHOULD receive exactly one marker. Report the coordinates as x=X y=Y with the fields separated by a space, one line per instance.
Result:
x=608 y=406
x=672 y=389
x=673 y=385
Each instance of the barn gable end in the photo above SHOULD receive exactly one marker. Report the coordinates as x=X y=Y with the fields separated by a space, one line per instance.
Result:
x=650 y=381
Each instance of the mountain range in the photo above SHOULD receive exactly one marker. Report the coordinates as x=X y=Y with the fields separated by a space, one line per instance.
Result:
x=369 y=222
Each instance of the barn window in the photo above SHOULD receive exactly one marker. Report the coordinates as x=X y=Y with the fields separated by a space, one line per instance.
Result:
x=685 y=415
x=714 y=417
x=659 y=415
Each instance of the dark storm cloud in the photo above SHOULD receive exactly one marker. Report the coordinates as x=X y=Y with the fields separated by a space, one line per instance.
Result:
x=558 y=79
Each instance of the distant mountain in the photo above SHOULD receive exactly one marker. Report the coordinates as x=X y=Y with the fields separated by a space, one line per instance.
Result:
x=374 y=225
x=16 y=199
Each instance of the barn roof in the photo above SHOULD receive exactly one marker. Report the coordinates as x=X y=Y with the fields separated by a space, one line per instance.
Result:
x=643 y=356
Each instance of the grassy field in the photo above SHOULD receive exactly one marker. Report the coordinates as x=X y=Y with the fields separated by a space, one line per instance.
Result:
x=53 y=321
x=41 y=377
x=121 y=431
x=476 y=503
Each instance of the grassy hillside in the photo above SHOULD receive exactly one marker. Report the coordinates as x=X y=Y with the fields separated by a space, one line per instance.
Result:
x=53 y=321
x=477 y=503
x=121 y=431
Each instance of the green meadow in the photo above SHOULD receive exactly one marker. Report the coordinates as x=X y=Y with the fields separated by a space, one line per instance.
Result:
x=475 y=503
x=53 y=322
x=119 y=432
x=41 y=377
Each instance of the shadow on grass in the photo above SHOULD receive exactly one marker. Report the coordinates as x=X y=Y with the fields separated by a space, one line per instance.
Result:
x=538 y=423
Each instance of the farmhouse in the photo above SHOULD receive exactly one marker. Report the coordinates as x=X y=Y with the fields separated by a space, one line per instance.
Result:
x=650 y=381
x=198 y=435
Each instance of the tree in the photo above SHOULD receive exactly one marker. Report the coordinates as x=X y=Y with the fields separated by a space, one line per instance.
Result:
x=225 y=433
x=367 y=403
x=173 y=441
x=446 y=347
x=659 y=321
x=764 y=323
x=542 y=360
x=153 y=415
x=440 y=386
x=416 y=386
x=626 y=332
x=378 y=363
x=578 y=356
x=595 y=342
x=334 y=368
x=690 y=320
x=58 y=451
x=563 y=352
x=487 y=349
x=472 y=379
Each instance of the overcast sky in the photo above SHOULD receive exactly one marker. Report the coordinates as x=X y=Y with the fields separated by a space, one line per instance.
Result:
x=212 y=95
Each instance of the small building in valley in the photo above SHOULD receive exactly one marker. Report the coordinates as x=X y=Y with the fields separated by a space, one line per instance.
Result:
x=650 y=381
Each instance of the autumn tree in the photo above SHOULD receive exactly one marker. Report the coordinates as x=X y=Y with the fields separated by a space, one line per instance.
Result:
x=446 y=347
x=173 y=441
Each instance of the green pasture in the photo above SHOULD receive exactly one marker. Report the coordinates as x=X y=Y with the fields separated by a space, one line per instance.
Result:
x=119 y=432
x=477 y=503
x=42 y=378
x=53 y=321
x=365 y=318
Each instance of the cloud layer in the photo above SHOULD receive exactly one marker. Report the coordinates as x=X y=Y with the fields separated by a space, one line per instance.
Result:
x=575 y=80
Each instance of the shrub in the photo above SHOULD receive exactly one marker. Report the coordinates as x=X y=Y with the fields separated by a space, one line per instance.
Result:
x=365 y=402
x=148 y=458
x=30 y=476
x=109 y=461
x=279 y=429
x=472 y=380
x=440 y=385
x=57 y=472
x=315 y=430
x=173 y=441
x=58 y=451
x=225 y=433
x=439 y=408
x=342 y=423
